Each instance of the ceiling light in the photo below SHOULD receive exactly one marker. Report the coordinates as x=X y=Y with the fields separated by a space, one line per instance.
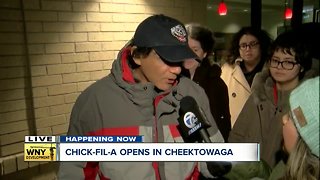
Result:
x=222 y=8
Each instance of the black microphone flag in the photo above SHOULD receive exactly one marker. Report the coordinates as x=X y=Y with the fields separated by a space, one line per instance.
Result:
x=192 y=120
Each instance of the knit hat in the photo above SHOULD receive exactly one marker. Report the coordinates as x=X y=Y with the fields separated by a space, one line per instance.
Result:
x=167 y=36
x=304 y=107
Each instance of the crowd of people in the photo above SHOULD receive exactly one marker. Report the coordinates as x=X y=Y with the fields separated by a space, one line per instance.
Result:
x=266 y=92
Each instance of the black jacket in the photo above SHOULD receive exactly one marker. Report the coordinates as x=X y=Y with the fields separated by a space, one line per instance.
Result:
x=208 y=77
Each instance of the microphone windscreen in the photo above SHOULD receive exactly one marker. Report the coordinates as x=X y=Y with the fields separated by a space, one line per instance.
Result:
x=187 y=104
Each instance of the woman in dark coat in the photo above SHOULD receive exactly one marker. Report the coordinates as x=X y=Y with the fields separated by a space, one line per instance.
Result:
x=207 y=75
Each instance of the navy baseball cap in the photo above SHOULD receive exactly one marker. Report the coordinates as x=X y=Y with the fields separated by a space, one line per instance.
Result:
x=167 y=36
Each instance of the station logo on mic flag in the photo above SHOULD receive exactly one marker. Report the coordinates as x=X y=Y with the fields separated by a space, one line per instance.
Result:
x=190 y=120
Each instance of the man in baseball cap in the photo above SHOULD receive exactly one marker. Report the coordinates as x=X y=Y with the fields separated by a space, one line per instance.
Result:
x=141 y=96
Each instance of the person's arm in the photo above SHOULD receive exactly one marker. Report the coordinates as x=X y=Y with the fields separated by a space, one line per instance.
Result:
x=248 y=170
x=219 y=104
x=212 y=169
x=248 y=129
x=219 y=169
x=215 y=134
x=83 y=114
x=247 y=126
x=73 y=170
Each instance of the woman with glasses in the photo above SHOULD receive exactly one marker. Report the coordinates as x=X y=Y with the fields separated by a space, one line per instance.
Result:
x=247 y=56
x=260 y=119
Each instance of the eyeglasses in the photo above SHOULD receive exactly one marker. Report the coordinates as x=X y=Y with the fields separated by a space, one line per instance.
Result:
x=251 y=45
x=287 y=65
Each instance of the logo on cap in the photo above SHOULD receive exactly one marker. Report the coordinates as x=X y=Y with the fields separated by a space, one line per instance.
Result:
x=179 y=32
x=300 y=116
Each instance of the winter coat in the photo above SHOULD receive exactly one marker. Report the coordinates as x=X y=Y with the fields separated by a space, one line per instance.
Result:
x=278 y=171
x=261 y=117
x=238 y=88
x=248 y=170
x=208 y=77
x=116 y=105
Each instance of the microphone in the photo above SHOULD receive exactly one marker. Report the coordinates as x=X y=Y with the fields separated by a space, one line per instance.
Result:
x=192 y=121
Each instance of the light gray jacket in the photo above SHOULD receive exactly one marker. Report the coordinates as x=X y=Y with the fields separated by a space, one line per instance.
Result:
x=116 y=106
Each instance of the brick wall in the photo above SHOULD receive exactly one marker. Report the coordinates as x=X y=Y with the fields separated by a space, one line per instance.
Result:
x=50 y=51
